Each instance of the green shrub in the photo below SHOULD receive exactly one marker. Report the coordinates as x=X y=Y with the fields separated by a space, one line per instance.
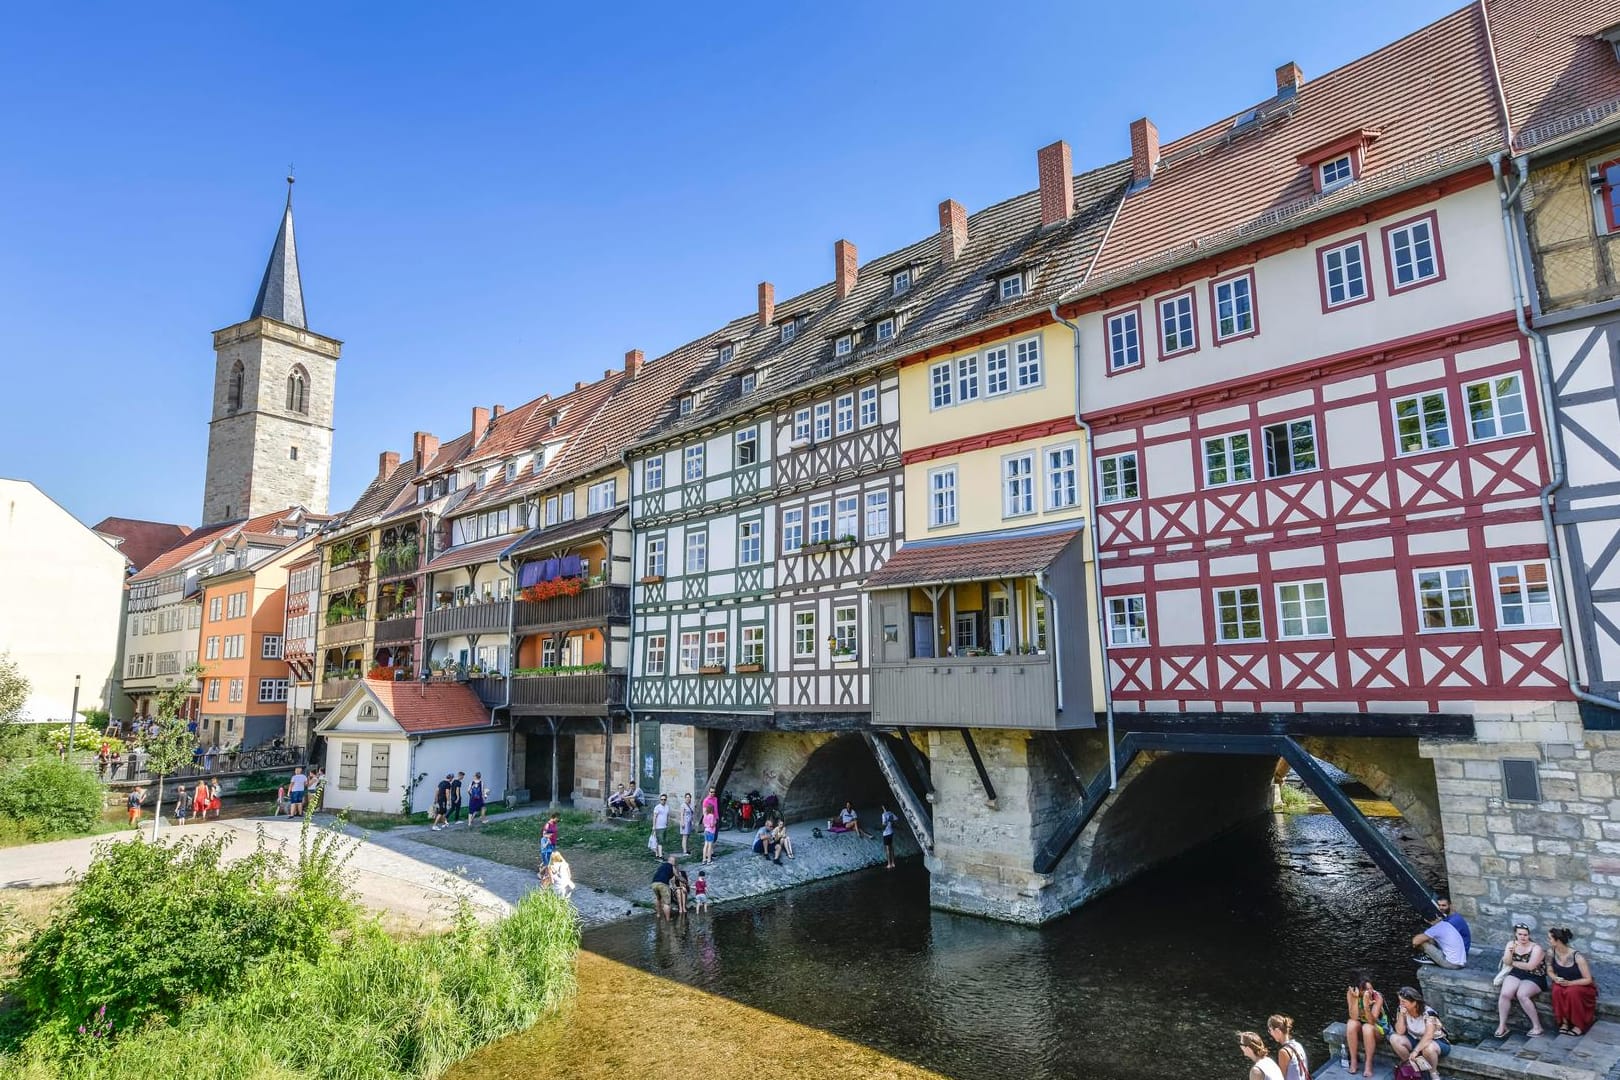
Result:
x=47 y=796
x=149 y=926
x=86 y=739
x=376 y=1009
x=261 y=781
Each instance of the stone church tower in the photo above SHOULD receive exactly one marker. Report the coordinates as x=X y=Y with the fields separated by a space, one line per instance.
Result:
x=270 y=439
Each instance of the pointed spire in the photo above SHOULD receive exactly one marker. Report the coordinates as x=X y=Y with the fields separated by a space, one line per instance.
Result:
x=281 y=294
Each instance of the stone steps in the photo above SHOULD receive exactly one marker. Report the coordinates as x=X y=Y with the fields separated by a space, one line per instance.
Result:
x=1593 y=1056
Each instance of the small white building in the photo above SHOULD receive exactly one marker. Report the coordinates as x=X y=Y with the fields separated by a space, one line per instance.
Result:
x=64 y=603
x=386 y=738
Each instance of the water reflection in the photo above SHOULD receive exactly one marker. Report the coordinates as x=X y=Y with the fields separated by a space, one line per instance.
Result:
x=1150 y=981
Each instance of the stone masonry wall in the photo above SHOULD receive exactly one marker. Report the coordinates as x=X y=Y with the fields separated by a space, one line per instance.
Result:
x=1551 y=863
x=590 y=787
x=677 y=761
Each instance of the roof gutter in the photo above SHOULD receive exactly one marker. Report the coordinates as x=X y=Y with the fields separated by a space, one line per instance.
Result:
x=1096 y=564
x=1522 y=270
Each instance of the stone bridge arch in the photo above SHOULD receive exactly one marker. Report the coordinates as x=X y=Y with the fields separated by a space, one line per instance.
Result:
x=812 y=772
x=1394 y=770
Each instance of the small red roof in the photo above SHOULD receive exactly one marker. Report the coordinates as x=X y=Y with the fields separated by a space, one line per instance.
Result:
x=143 y=541
x=472 y=554
x=970 y=558
x=179 y=553
x=420 y=707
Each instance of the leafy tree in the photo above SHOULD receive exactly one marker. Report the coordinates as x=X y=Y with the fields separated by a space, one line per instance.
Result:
x=15 y=738
x=47 y=796
x=168 y=746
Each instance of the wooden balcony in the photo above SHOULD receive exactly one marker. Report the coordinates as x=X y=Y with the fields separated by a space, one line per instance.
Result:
x=346 y=632
x=594 y=694
x=402 y=628
x=346 y=577
x=330 y=691
x=593 y=605
x=971 y=691
x=468 y=619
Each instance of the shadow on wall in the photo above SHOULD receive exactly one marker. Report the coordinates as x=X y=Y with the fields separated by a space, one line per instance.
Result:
x=840 y=770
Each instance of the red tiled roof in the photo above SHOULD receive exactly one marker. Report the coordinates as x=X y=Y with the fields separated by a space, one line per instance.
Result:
x=438 y=706
x=179 y=553
x=1553 y=66
x=143 y=541
x=1429 y=92
x=972 y=559
x=468 y=554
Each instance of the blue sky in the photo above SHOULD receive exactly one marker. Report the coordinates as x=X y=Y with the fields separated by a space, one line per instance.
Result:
x=492 y=203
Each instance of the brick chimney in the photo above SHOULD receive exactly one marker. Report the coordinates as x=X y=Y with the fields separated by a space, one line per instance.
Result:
x=845 y=267
x=497 y=412
x=480 y=423
x=1057 y=183
x=1289 y=79
x=767 y=303
x=952 y=231
x=633 y=361
x=387 y=462
x=1144 y=150
x=424 y=448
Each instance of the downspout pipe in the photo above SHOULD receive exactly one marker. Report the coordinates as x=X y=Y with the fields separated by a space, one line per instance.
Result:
x=1096 y=562
x=1521 y=269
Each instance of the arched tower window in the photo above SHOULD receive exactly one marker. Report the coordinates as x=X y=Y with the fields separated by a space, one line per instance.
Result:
x=233 y=391
x=298 y=391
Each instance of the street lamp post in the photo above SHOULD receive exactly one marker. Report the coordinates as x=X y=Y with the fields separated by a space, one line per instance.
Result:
x=73 y=717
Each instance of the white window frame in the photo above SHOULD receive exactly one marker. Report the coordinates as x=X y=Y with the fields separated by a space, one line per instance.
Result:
x=750 y=542
x=1498 y=420
x=1423 y=400
x=1293 y=432
x=751 y=646
x=1538 y=614
x=690 y=655
x=272 y=691
x=1301 y=603
x=1446 y=583
x=685 y=406
x=716 y=651
x=900 y=281
x=942 y=505
x=941 y=385
x=1405 y=236
x=1010 y=287
x=885 y=330
x=657 y=654
x=1178 y=311
x=847 y=516
x=877 y=514
x=804 y=635
x=1233 y=598
x=1018 y=485
x=1242 y=320
x=652 y=471
x=967 y=378
x=697 y=551
x=1028 y=370
x=727 y=351
x=694 y=461
x=1127 y=621
x=792 y=530
x=1329 y=174
x=868 y=406
x=1062 y=465
x=1124 y=334
x=844 y=345
x=790 y=330
x=820 y=530
x=1228 y=453
x=270 y=647
x=1348 y=275
x=997 y=371
x=824 y=421
x=846 y=624
x=748 y=380
x=1113 y=484
x=602 y=496
x=801 y=426
x=657 y=561
x=844 y=414
x=746 y=445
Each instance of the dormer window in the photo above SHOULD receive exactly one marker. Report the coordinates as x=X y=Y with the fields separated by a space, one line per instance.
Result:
x=844 y=345
x=901 y=281
x=885 y=329
x=727 y=351
x=511 y=471
x=686 y=405
x=1010 y=287
x=1340 y=170
x=790 y=330
x=749 y=380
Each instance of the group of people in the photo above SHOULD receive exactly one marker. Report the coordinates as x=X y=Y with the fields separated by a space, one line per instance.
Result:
x=673 y=891
x=203 y=800
x=300 y=793
x=554 y=872
x=1415 y=1033
x=849 y=821
x=447 y=800
x=627 y=801
x=1289 y=1064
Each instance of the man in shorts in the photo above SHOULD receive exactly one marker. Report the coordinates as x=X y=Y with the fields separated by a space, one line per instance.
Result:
x=455 y=797
x=660 y=886
x=295 y=792
x=441 y=802
x=660 y=824
x=136 y=798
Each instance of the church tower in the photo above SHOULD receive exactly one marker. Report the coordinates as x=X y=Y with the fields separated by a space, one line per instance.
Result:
x=270 y=439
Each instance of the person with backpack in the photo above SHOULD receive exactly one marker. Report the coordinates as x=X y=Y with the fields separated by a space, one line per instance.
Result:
x=1290 y=1055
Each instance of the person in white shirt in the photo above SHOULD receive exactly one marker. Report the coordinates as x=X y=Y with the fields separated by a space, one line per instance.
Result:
x=1441 y=945
x=660 y=824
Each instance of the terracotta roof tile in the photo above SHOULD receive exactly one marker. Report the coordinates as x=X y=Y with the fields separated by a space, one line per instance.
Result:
x=1431 y=95
x=143 y=541
x=1557 y=76
x=569 y=531
x=436 y=706
x=975 y=558
x=195 y=542
x=469 y=554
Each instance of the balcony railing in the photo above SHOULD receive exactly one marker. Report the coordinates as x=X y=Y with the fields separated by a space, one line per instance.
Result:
x=985 y=691
x=595 y=604
x=346 y=577
x=340 y=633
x=394 y=561
x=402 y=628
x=592 y=694
x=332 y=689
x=468 y=618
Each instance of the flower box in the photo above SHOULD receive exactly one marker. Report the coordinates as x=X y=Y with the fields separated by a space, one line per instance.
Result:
x=845 y=658
x=652 y=579
x=712 y=669
x=749 y=669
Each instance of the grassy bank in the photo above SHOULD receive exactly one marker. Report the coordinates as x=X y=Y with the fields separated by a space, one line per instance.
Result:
x=178 y=964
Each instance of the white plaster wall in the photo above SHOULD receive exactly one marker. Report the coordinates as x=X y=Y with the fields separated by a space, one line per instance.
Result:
x=482 y=751
x=64 y=592
x=362 y=797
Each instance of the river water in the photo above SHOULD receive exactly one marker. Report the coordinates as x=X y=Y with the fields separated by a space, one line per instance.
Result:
x=1148 y=983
